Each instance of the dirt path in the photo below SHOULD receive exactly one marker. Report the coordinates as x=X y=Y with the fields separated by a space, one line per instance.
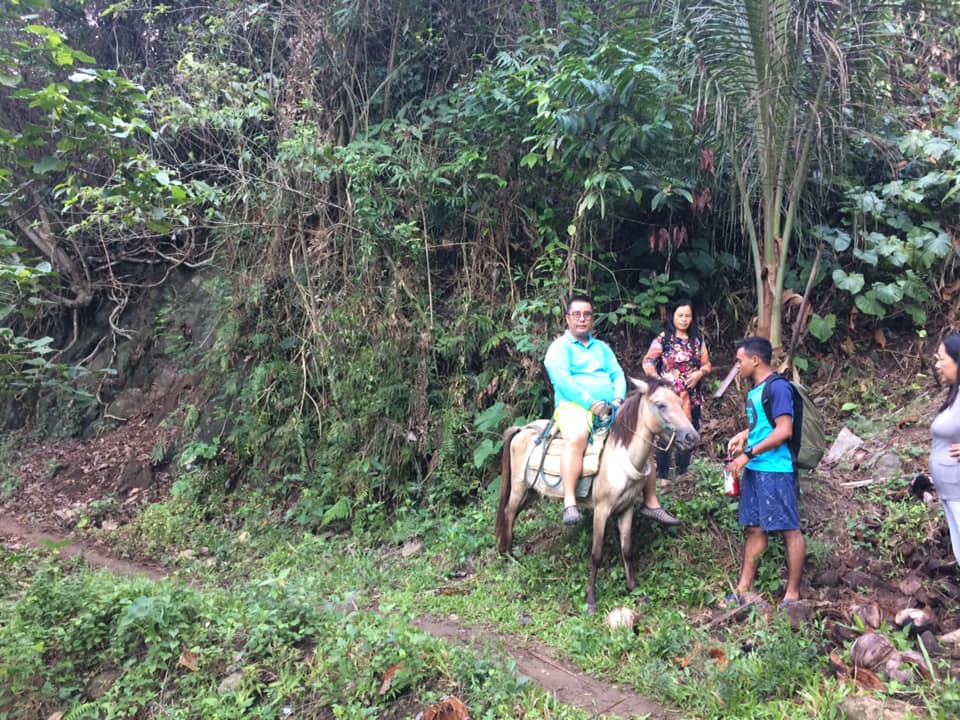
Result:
x=534 y=660
x=15 y=535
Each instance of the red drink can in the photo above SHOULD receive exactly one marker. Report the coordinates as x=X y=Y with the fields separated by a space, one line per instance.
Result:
x=731 y=480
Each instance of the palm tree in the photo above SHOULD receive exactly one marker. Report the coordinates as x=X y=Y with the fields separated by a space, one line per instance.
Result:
x=773 y=83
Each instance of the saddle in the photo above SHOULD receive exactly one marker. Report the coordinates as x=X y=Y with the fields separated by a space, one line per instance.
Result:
x=542 y=466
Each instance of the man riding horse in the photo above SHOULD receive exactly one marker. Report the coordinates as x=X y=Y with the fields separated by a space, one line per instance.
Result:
x=588 y=383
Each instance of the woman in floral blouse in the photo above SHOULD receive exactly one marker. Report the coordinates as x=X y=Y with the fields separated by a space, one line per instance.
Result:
x=679 y=355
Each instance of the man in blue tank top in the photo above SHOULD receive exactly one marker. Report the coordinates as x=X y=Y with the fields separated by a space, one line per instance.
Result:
x=761 y=455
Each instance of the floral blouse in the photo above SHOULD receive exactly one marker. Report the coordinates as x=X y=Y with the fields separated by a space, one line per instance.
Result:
x=680 y=360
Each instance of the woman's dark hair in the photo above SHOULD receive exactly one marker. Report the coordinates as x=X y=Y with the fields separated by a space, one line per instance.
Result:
x=951 y=343
x=693 y=332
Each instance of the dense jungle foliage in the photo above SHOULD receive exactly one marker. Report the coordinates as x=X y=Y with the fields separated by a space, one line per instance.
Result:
x=385 y=201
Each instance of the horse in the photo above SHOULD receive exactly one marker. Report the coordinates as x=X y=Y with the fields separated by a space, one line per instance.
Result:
x=653 y=412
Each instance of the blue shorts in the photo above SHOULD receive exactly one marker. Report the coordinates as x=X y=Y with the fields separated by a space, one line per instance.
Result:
x=768 y=500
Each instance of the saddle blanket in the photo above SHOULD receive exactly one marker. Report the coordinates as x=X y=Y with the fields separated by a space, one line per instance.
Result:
x=543 y=464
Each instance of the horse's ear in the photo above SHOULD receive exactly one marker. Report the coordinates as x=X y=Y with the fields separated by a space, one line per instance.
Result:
x=642 y=385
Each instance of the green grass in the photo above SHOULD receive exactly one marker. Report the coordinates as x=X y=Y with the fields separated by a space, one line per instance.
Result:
x=307 y=625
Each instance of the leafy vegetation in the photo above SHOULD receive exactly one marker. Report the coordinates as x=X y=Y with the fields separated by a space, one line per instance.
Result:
x=367 y=215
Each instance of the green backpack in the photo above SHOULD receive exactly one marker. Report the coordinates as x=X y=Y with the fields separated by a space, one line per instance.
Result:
x=809 y=440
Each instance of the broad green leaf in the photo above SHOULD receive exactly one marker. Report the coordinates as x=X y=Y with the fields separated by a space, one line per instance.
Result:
x=836 y=238
x=50 y=163
x=916 y=313
x=10 y=80
x=867 y=256
x=869 y=305
x=530 y=160
x=82 y=76
x=889 y=294
x=852 y=283
x=822 y=327
x=869 y=203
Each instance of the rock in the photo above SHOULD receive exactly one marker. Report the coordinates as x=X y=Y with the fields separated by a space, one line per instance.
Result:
x=186 y=555
x=66 y=515
x=888 y=465
x=856 y=579
x=871 y=707
x=230 y=683
x=127 y=404
x=846 y=442
x=411 y=548
x=910 y=585
x=101 y=683
x=827 y=578
x=109 y=525
x=929 y=641
x=841 y=634
x=136 y=474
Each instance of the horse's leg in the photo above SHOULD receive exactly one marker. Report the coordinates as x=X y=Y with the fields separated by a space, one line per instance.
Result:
x=518 y=493
x=601 y=512
x=505 y=518
x=625 y=523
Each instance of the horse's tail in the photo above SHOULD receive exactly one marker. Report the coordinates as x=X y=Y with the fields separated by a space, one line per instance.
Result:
x=506 y=481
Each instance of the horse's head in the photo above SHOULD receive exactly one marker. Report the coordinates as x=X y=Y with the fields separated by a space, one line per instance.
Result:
x=663 y=414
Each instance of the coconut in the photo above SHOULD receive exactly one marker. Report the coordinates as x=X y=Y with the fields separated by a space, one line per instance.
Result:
x=892 y=668
x=622 y=617
x=868 y=614
x=870 y=651
x=919 y=620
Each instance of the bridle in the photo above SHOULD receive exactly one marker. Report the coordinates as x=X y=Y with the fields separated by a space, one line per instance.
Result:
x=666 y=426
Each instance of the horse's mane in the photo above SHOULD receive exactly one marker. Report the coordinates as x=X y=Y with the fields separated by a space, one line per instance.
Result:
x=624 y=425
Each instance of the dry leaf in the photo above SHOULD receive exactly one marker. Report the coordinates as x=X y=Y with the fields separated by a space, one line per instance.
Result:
x=868 y=680
x=719 y=655
x=880 y=339
x=951 y=290
x=388 y=678
x=450 y=708
x=848 y=347
x=839 y=666
x=682 y=660
x=908 y=420
x=188 y=659
x=451 y=591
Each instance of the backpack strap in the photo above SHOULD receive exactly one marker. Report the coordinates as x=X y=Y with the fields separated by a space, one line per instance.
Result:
x=765 y=400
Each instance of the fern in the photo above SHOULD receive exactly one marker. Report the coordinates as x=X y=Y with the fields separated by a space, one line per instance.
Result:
x=342 y=509
x=83 y=711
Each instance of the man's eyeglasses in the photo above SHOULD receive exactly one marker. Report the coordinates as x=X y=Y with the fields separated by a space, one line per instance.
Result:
x=581 y=315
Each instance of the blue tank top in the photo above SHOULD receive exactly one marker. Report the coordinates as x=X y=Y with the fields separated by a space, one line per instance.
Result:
x=781 y=403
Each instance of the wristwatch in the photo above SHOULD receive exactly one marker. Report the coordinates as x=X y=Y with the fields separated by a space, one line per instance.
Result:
x=749 y=453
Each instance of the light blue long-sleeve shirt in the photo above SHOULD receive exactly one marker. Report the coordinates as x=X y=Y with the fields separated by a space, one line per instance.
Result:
x=583 y=374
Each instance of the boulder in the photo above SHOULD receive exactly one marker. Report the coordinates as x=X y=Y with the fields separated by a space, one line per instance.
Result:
x=870 y=707
x=846 y=442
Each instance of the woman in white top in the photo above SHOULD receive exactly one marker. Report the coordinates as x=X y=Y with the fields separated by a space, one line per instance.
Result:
x=945 y=452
